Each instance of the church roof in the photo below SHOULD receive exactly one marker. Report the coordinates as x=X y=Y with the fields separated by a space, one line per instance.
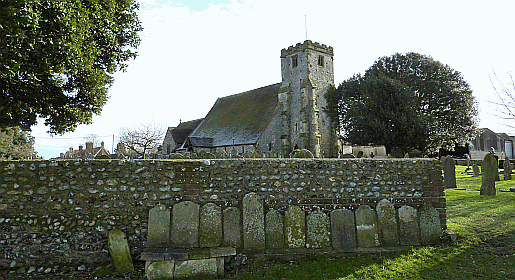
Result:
x=238 y=119
x=181 y=132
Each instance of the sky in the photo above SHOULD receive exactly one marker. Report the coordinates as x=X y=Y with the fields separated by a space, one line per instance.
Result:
x=193 y=52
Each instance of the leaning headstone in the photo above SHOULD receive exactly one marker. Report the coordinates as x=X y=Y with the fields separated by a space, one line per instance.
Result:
x=366 y=227
x=158 y=227
x=409 y=230
x=449 y=172
x=343 y=229
x=210 y=228
x=475 y=170
x=232 y=227
x=318 y=235
x=507 y=169
x=119 y=250
x=185 y=221
x=489 y=171
x=160 y=270
x=295 y=227
x=430 y=226
x=274 y=230
x=253 y=223
x=387 y=221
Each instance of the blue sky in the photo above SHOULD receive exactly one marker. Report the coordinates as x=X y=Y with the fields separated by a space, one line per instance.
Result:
x=193 y=52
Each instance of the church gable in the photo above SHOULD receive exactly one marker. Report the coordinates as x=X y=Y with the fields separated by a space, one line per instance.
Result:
x=239 y=119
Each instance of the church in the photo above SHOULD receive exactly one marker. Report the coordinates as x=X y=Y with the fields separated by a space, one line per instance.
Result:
x=277 y=118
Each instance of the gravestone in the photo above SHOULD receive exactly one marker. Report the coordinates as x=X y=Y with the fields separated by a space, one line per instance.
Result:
x=449 y=172
x=185 y=222
x=430 y=227
x=253 y=223
x=475 y=170
x=343 y=229
x=366 y=227
x=507 y=169
x=295 y=227
x=160 y=270
x=195 y=268
x=387 y=221
x=409 y=230
x=210 y=228
x=158 y=227
x=318 y=234
x=232 y=227
x=489 y=171
x=274 y=230
x=119 y=250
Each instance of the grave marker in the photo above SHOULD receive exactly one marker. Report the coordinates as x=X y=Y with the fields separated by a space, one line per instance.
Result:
x=387 y=221
x=430 y=227
x=210 y=230
x=294 y=225
x=408 y=225
x=274 y=230
x=185 y=222
x=253 y=223
x=119 y=250
x=343 y=229
x=489 y=169
x=318 y=234
x=366 y=227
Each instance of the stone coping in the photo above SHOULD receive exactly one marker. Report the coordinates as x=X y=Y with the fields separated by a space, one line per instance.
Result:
x=168 y=253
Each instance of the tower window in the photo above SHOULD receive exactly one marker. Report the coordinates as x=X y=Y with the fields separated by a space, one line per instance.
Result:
x=294 y=61
x=321 y=61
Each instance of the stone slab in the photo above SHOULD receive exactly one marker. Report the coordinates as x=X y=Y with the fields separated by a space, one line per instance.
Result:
x=274 y=230
x=210 y=228
x=253 y=223
x=449 y=172
x=295 y=227
x=343 y=229
x=489 y=170
x=185 y=223
x=232 y=227
x=318 y=235
x=158 y=227
x=120 y=252
x=409 y=231
x=160 y=270
x=387 y=223
x=430 y=227
x=366 y=227
x=194 y=268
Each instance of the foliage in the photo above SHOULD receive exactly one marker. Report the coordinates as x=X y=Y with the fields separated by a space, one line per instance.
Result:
x=408 y=101
x=57 y=58
x=16 y=144
x=142 y=139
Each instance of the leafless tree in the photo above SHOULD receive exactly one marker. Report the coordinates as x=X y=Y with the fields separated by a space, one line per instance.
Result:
x=142 y=140
x=505 y=91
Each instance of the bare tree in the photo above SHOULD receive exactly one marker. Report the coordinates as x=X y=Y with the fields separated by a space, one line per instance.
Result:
x=142 y=139
x=505 y=91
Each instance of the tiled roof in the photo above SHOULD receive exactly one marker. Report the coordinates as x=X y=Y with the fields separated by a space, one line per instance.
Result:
x=239 y=119
x=181 y=132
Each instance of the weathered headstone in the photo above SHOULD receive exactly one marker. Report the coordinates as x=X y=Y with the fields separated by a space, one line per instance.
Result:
x=343 y=229
x=232 y=227
x=194 y=268
x=408 y=224
x=119 y=250
x=295 y=227
x=387 y=221
x=475 y=170
x=274 y=230
x=160 y=270
x=158 y=227
x=318 y=234
x=366 y=227
x=449 y=172
x=489 y=169
x=430 y=226
x=253 y=223
x=507 y=169
x=210 y=228
x=185 y=222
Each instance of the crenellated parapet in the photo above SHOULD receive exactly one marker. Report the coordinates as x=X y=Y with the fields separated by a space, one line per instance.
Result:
x=307 y=45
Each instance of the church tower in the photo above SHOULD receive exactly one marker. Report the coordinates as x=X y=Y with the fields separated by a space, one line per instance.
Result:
x=307 y=71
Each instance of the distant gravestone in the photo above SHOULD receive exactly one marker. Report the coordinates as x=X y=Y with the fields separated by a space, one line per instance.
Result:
x=489 y=171
x=387 y=221
x=253 y=223
x=408 y=226
x=475 y=170
x=185 y=222
x=430 y=226
x=232 y=227
x=274 y=230
x=318 y=234
x=366 y=227
x=210 y=228
x=343 y=229
x=449 y=172
x=295 y=227
x=507 y=169
x=119 y=250
x=158 y=227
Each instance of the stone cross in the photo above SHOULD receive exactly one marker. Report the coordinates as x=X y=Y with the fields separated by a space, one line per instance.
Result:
x=488 y=170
